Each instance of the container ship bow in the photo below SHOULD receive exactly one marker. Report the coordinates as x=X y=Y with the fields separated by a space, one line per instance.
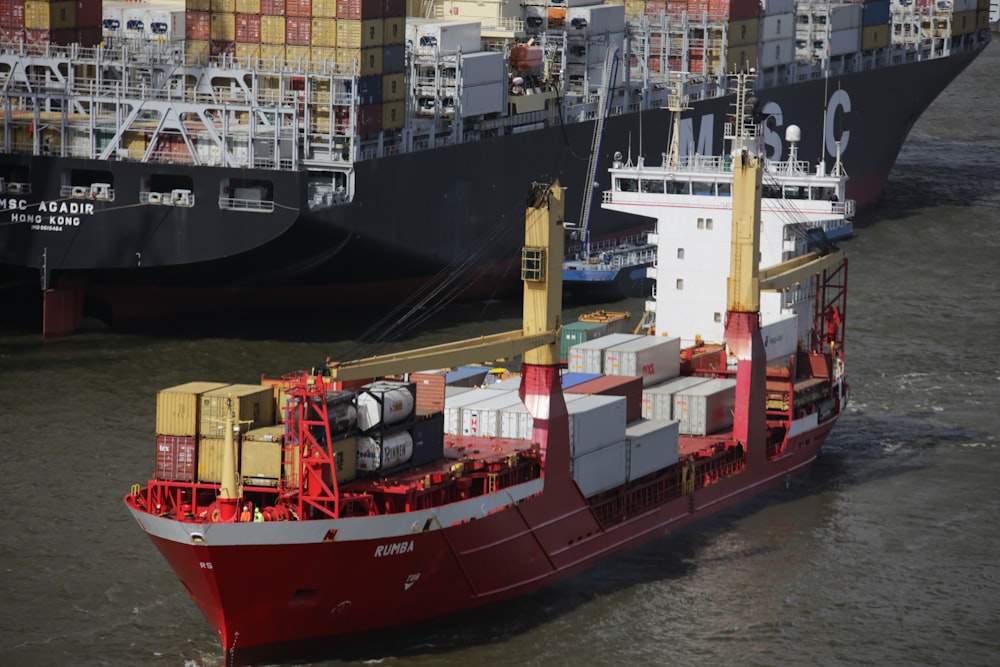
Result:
x=385 y=498
x=153 y=155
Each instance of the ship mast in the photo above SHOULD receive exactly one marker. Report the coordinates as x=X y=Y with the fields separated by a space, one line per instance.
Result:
x=743 y=335
x=676 y=104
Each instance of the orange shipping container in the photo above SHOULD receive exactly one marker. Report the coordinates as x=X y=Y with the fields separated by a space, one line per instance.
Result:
x=272 y=7
x=324 y=32
x=298 y=31
x=299 y=8
x=248 y=28
x=197 y=25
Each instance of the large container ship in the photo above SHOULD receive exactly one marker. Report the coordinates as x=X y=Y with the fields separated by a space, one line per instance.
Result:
x=382 y=499
x=272 y=149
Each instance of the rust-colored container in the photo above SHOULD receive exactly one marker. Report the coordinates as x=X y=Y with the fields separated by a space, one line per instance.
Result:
x=430 y=386
x=197 y=25
x=11 y=14
x=394 y=8
x=272 y=7
x=629 y=386
x=299 y=8
x=222 y=47
x=369 y=118
x=175 y=458
x=248 y=28
x=88 y=14
x=298 y=31
x=360 y=9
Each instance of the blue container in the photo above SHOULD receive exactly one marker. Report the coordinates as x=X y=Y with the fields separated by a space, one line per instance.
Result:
x=370 y=90
x=875 y=12
x=466 y=376
x=573 y=379
x=393 y=59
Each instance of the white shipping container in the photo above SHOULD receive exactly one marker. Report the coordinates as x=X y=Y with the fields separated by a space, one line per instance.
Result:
x=655 y=358
x=595 y=20
x=602 y=469
x=777 y=52
x=482 y=68
x=595 y=421
x=483 y=419
x=658 y=401
x=845 y=16
x=517 y=422
x=566 y=3
x=177 y=26
x=778 y=6
x=448 y=37
x=453 y=408
x=451 y=391
x=510 y=384
x=588 y=357
x=781 y=338
x=652 y=446
x=480 y=100
x=705 y=408
x=780 y=26
x=845 y=41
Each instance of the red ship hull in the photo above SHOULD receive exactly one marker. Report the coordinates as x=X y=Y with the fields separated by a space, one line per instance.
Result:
x=269 y=600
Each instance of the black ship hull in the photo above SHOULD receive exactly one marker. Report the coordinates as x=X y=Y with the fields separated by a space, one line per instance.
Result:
x=413 y=216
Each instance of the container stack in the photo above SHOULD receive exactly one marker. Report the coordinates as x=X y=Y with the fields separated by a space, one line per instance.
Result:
x=394 y=434
x=254 y=408
x=875 y=30
x=178 y=421
x=39 y=23
x=742 y=35
x=778 y=34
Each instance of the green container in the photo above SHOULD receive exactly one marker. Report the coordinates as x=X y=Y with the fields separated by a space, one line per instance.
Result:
x=575 y=333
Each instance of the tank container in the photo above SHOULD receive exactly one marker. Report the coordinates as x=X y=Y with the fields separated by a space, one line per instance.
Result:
x=705 y=408
x=652 y=446
x=388 y=451
x=601 y=469
x=385 y=404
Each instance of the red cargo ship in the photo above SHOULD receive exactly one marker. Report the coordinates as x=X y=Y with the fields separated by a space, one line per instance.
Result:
x=434 y=526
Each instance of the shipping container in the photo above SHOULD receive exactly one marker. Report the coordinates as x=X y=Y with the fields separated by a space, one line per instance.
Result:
x=223 y=6
x=199 y=5
x=772 y=7
x=345 y=461
x=369 y=90
x=595 y=421
x=385 y=451
x=516 y=422
x=324 y=32
x=454 y=404
x=360 y=9
x=593 y=20
x=483 y=418
x=394 y=8
x=394 y=30
x=210 y=452
x=253 y=405
x=777 y=52
x=741 y=58
x=248 y=28
x=658 y=400
x=248 y=6
x=88 y=14
x=963 y=23
x=486 y=67
x=653 y=445
x=195 y=50
x=627 y=386
x=272 y=30
x=602 y=469
x=844 y=41
x=298 y=8
x=298 y=31
x=875 y=12
x=705 y=408
x=570 y=380
x=357 y=33
x=326 y=9
x=430 y=388
x=394 y=90
x=741 y=10
x=223 y=27
x=874 y=37
x=260 y=462
x=272 y=8
x=575 y=333
x=385 y=403
x=178 y=408
x=197 y=25
x=843 y=17
x=393 y=59
x=654 y=358
x=741 y=33
x=588 y=357
x=777 y=27
x=428 y=440
x=447 y=37
x=175 y=458
x=466 y=376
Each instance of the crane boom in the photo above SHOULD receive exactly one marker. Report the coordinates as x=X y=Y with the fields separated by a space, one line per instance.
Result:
x=541 y=272
x=604 y=102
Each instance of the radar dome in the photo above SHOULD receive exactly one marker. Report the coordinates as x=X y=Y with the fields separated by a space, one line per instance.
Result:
x=793 y=134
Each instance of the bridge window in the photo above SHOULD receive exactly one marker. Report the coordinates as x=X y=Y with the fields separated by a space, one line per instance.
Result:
x=677 y=187
x=655 y=187
x=796 y=192
x=680 y=283
x=680 y=253
x=702 y=188
x=628 y=184
x=725 y=189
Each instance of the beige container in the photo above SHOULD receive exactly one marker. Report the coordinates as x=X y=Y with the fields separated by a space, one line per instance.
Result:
x=195 y=49
x=324 y=32
x=260 y=455
x=272 y=30
x=210 y=460
x=743 y=33
x=370 y=61
x=44 y=15
x=223 y=6
x=394 y=30
x=741 y=58
x=248 y=6
x=135 y=142
x=393 y=87
x=245 y=51
x=223 y=27
x=298 y=54
x=272 y=53
x=357 y=33
x=345 y=458
x=393 y=115
x=254 y=407
x=324 y=9
x=177 y=408
x=326 y=55
x=875 y=37
x=198 y=5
